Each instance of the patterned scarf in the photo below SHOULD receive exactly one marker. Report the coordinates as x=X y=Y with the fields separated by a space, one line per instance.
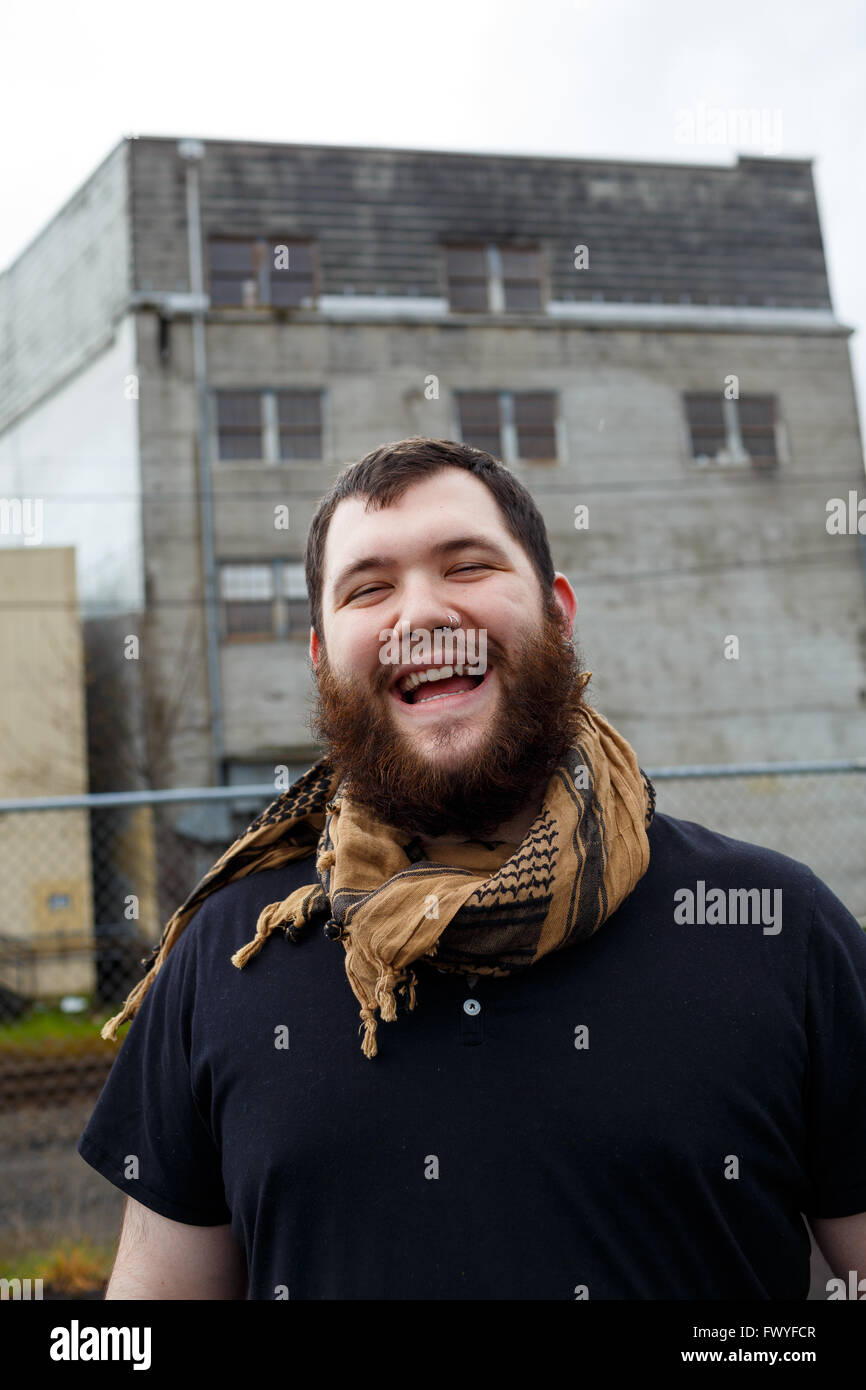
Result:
x=491 y=909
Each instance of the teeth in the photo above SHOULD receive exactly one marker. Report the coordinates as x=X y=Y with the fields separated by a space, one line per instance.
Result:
x=433 y=674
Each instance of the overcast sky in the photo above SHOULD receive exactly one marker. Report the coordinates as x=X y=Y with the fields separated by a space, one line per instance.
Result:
x=585 y=78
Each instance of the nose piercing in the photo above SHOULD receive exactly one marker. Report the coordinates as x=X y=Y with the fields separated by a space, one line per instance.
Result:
x=452 y=622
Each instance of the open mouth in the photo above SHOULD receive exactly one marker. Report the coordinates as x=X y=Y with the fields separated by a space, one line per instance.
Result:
x=437 y=689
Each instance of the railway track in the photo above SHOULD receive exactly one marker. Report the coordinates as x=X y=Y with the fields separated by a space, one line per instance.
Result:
x=42 y=1079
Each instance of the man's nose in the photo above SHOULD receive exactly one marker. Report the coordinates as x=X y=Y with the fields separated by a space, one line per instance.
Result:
x=424 y=615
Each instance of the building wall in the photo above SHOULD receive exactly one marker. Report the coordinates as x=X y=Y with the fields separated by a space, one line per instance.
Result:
x=45 y=889
x=61 y=298
x=675 y=559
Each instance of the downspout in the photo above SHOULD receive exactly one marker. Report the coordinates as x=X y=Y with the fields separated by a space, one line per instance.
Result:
x=192 y=151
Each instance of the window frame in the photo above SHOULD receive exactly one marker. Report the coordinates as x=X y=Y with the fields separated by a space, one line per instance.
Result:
x=270 y=428
x=495 y=278
x=734 y=453
x=262 y=272
x=281 y=628
x=508 y=433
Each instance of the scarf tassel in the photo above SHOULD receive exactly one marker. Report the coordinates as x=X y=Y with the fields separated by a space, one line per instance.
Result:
x=284 y=915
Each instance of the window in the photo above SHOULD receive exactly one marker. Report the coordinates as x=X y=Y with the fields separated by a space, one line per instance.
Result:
x=521 y=278
x=265 y=599
x=726 y=431
x=254 y=272
x=510 y=425
x=244 y=809
x=239 y=424
x=492 y=279
x=247 y=593
x=268 y=425
x=758 y=429
x=299 y=417
x=534 y=420
x=467 y=277
x=479 y=421
x=295 y=595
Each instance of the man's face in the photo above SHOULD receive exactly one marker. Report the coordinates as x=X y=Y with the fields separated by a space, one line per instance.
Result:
x=465 y=762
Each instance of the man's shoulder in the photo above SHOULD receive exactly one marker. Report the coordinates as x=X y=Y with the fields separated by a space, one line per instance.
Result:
x=686 y=846
x=232 y=909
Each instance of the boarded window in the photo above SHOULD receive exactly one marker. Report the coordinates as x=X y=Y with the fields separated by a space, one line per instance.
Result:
x=479 y=420
x=535 y=423
x=466 y=268
x=239 y=424
x=299 y=415
x=521 y=278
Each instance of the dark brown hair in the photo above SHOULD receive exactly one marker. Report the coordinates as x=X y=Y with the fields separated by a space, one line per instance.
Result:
x=385 y=474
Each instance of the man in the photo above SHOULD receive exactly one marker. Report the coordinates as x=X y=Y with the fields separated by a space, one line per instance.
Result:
x=605 y=1053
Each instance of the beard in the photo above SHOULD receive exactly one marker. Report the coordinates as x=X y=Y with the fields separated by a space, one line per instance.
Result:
x=532 y=724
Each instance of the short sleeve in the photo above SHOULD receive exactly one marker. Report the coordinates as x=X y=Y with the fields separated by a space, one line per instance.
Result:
x=836 y=1074
x=147 y=1135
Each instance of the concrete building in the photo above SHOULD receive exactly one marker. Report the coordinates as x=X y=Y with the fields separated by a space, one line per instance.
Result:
x=46 y=917
x=207 y=332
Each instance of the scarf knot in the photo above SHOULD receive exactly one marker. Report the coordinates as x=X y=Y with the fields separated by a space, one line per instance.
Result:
x=493 y=908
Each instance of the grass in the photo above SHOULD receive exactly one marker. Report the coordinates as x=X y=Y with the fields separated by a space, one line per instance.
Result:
x=69 y=1267
x=45 y=1024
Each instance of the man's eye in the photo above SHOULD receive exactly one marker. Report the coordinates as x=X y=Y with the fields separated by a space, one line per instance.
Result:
x=371 y=589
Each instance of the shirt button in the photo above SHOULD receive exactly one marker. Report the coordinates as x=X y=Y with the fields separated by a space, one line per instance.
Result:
x=471 y=1006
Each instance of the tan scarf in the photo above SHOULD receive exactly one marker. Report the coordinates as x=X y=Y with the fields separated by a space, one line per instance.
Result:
x=491 y=909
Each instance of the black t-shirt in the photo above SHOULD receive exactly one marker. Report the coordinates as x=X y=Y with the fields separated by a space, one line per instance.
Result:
x=643 y=1116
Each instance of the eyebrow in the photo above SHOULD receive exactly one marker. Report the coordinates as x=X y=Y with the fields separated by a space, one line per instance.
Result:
x=369 y=562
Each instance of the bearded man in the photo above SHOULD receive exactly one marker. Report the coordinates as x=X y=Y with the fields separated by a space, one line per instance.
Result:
x=604 y=1053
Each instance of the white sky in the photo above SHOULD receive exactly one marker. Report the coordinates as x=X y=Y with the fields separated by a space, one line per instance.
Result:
x=584 y=78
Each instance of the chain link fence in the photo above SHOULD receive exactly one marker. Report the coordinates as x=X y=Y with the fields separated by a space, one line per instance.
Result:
x=87 y=883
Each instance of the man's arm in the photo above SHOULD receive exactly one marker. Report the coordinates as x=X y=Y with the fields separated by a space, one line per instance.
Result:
x=842 y=1240
x=157 y=1258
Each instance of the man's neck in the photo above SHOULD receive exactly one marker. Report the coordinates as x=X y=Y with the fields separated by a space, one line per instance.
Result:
x=514 y=831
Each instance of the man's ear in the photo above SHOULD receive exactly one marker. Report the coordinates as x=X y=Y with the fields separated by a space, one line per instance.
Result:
x=314 y=648
x=566 y=600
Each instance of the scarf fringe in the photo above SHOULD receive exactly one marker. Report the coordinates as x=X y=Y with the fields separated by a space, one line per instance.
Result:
x=293 y=914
